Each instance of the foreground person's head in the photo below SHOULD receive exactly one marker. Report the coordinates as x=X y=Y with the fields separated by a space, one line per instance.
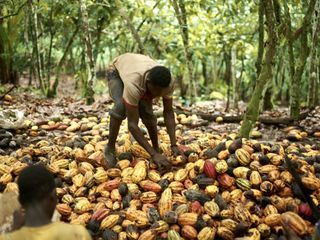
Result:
x=37 y=189
x=158 y=79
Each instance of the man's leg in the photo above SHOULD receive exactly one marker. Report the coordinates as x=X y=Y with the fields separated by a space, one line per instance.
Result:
x=150 y=121
x=117 y=114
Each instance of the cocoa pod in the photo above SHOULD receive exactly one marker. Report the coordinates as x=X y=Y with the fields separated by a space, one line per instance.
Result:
x=264 y=230
x=255 y=179
x=187 y=219
x=311 y=183
x=153 y=215
x=64 y=209
x=242 y=214
x=183 y=208
x=112 y=184
x=165 y=203
x=243 y=184
x=173 y=235
x=176 y=186
x=100 y=214
x=139 y=172
x=195 y=207
x=273 y=220
x=211 y=208
x=229 y=224
x=160 y=226
x=132 y=232
x=225 y=233
x=181 y=175
x=148 y=235
x=225 y=180
x=295 y=222
x=209 y=169
x=172 y=217
x=148 y=185
x=243 y=156
x=189 y=232
x=241 y=172
x=110 y=221
x=207 y=233
x=148 y=197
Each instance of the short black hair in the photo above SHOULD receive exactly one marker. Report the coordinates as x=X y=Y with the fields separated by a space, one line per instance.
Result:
x=35 y=184
x=160 y=76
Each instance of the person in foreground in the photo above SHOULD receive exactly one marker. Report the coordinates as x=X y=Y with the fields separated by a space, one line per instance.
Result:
x=134 y=80
x=37 y=196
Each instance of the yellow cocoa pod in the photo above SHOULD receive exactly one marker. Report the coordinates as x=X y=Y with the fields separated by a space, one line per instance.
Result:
x=273 y=220
x=211 y=208
x=241 y=172
x=270 y=209
x=160 y=226
x=255 y=178
x=139 y=172
x=139 y=151
x=165 y=203
x=181 y=175
x=311 y=183
x=110 y=221
x=242 y=214
x=148 y=235
x=221 y=166
x=207 y=233
x=229 y=224
x=154 y=176
x=243 y=156
x=225 y=233
x=187 y=219
x=295 y=222
x=148 y=197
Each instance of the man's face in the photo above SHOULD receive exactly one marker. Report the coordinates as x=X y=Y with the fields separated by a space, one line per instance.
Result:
x=155 y=91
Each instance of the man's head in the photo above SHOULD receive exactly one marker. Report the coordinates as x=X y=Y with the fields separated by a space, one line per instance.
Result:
x=37 y=189
x=158 y=79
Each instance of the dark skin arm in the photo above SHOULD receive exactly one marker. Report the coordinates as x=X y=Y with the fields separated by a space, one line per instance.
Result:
x=169 y=120
x=133 y=119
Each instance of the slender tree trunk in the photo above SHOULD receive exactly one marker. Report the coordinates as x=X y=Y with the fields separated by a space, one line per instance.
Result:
x=181 y=16
x=304 y=53
x=134 y=32
x=261 y=38
x=227 y=76
x=235 y=81
x=312 y=90
x=86 y=37
x=53 y=91
x=205 y=73
x=35 y=44
x=50 y=46
x=265 y=76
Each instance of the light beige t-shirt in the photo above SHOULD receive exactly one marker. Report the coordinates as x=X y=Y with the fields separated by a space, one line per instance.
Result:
x=53 y=231
x=132 y=68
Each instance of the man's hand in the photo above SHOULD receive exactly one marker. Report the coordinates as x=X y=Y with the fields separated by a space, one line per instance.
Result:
x=176 y=151
x=162 y=162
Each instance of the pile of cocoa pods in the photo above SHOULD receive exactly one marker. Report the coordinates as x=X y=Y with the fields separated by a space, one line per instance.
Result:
x=222 y=188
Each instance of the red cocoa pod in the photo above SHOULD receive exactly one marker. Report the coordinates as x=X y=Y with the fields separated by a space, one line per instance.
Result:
x=305 y=210
x=112 y=184
x=100 y=214
x=195 y=207
x=209 y=169
x=225 y=180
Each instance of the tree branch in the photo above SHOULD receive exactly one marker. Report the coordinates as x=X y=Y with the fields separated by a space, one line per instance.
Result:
x=14 y=14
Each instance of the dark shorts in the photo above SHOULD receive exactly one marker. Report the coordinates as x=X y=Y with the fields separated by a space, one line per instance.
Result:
x=118 y=110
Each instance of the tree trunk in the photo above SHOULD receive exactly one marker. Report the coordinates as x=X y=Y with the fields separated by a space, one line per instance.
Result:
x=90 y=64
x=227 y=76
x=235 y=81
x=35 y=44
x=7 y=73
x=304 y=53
x=261 y=38
x=265 y=76
x=313 y=79
x=53 y=90
x=181 y=16
x=134 y=32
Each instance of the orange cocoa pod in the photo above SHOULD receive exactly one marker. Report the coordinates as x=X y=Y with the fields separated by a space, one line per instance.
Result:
x=295 y=222
x=187 y=219
x=148 y=185
x=189 y=232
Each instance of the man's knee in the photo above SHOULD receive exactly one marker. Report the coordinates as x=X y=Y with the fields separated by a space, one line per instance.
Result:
x=118 y=111
x=149 y=119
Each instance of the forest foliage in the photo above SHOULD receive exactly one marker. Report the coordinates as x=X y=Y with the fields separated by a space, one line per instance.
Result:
x=214 y=48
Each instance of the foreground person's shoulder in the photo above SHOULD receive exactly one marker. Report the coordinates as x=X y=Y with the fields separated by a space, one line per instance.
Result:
x=71 y=231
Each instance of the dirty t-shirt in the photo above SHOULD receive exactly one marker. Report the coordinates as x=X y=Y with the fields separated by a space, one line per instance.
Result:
x=53 y=231
x=132 y=68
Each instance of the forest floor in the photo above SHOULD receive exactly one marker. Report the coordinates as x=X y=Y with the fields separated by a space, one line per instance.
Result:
x=39 y=129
